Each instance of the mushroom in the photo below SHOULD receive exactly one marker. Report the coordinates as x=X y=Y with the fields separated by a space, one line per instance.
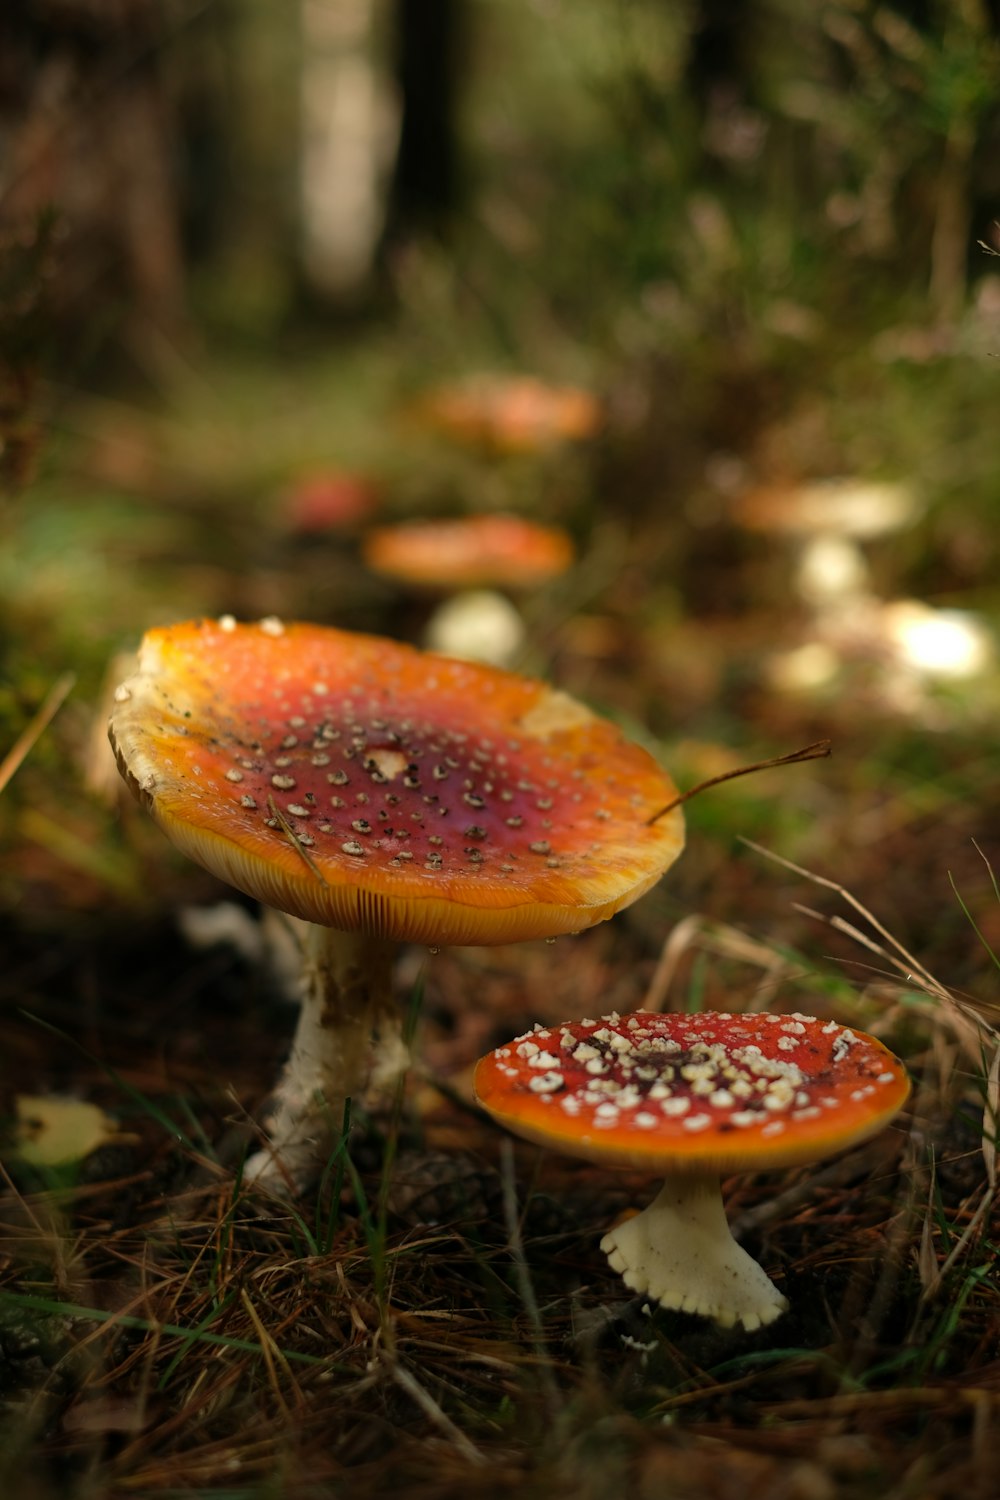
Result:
x=381 y=794
x=693 y=1097
x=328 y=500
x=468 y=559
x=490 y=551
x=511 y=414
x=827 y=520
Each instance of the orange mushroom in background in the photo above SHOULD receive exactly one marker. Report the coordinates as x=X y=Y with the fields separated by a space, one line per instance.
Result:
x=511 y=414
x=382 y=795
x=492 y=551
x=471 y=558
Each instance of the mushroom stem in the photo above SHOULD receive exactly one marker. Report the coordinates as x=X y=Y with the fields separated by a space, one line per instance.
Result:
x=680 y=1252
x=346 y=1000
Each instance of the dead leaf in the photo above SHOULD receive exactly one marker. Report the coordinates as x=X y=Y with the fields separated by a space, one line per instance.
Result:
x=51 y=1132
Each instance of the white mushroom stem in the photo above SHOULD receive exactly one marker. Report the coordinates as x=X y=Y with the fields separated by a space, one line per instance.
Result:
x=679 y=1251
x=346 y=1002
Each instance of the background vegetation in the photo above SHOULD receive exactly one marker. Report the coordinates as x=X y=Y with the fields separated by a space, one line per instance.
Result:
x=762 y=234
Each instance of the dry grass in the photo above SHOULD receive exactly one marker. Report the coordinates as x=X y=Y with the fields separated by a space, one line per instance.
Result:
x=438 y=1320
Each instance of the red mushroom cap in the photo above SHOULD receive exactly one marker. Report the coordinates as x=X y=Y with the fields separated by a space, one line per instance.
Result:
x=365 y=785
x=330 y=500
x=512 y=414
x=472 y=552
x=698 y=1093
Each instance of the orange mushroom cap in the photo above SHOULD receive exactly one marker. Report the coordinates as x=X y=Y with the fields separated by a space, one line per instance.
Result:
x=513 y=414
x=362 y=784
x=471 y=552
x=705 y=1093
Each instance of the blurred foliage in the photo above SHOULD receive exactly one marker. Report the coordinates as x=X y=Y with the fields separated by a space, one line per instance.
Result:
x=736 y=222
x=26 y=266
x=751 y=228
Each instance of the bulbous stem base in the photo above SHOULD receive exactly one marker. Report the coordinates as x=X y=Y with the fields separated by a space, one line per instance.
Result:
x=680 y=1252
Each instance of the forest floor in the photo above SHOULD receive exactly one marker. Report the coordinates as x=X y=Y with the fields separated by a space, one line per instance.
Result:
x=436 y=1319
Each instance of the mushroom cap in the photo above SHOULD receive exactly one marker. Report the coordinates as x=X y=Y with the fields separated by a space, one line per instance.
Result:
x=511 y=413
x=845 y=506
x=704 y=1093
x=328 y=500
x=469 y=552
x=364 y=785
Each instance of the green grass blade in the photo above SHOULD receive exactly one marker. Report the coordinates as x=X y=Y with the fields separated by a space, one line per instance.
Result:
x=50 y=1305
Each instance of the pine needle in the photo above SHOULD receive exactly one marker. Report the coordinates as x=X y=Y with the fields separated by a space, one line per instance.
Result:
x=294 y=839
x=820 y=750
x=33 y=731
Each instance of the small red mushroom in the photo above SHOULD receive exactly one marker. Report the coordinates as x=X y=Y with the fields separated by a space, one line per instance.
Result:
x=382 y=795
x=693 y=1097
x=329 y=500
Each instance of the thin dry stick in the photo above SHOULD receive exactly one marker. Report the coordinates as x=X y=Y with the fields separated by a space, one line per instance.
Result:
x=513 y=1223
x=270 y=1351
x=909 y=966
x=969 y=1028
x=423 y=1398
x=22 y=746
x=991 y=1118
x=820 y=750
x=841 y=924
x=847 y=1403
x=675 y=945
x=989 y=867
x=723 y=941
x=469 y=1356
x=927 y=1261
x=961 y=1244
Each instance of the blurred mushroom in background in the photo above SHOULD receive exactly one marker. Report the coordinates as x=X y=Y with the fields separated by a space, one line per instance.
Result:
x=328 y=500
x=824 y=523
x=469 y=559
x=510 y=414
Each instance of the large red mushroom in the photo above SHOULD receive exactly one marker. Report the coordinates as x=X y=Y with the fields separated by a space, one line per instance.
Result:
x=381 y=794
